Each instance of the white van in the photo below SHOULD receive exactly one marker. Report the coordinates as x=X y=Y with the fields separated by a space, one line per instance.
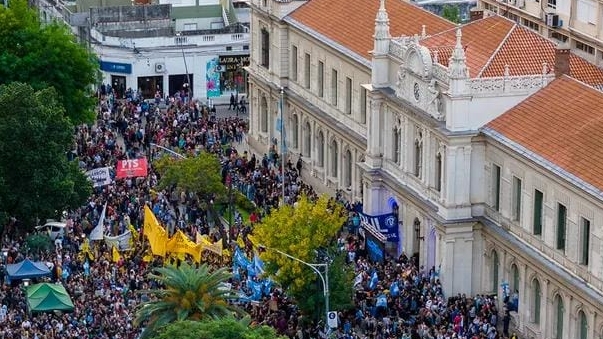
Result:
x=54 y=229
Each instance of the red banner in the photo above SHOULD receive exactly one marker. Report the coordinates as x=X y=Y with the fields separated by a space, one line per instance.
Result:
x=131 y=168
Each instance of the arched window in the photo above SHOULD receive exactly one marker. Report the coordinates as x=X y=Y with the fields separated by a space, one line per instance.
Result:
x=347 y=175
x=334 y=158
x=583 y=323
x=495 y=266
x=558 y=333
x=515 y=277
x=536 y=297
x=396 y=145
x=307 y=140
x=438 y=172
x=321 y=149
x=295 y=127
x=264 y=115
x=418 y=156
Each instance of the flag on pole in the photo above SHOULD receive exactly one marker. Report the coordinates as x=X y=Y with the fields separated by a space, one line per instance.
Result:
x=115 y=254
x=394 y=289
x=374 y=281
x=258 y=264
x=156 y=234
x=99 y=231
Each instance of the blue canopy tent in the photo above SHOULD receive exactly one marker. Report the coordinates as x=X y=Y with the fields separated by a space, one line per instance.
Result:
x=27 y=269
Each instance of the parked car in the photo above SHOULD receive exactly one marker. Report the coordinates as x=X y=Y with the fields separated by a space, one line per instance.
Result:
x=54 y=229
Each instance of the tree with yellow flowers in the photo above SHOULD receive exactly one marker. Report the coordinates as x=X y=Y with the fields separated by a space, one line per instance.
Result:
x=307 y=231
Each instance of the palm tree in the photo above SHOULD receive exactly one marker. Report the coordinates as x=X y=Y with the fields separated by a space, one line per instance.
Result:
x=189 y=293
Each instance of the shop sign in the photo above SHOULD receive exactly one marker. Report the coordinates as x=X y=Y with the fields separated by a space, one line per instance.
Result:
x=115 y=67
x=233 y=62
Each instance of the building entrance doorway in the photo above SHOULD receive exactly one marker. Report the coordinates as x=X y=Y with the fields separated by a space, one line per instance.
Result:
x=178 y=82
x=118 y=83
x=149 y=85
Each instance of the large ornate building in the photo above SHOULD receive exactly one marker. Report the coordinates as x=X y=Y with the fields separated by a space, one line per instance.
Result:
x=483 y=138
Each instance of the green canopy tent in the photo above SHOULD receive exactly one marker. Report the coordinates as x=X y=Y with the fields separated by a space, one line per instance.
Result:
x=47 y=297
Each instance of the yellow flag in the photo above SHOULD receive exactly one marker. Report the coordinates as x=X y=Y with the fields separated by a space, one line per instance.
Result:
x=180 y=243
x=254 y=242
x=134 y=232
x=241 y=242
x=156 y=234
x=85 y=249
x=215 y=247
x=203 y=239
x=115 y=254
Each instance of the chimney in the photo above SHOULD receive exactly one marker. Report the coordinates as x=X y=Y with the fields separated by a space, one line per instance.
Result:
x=476 y=14
x=562 y=60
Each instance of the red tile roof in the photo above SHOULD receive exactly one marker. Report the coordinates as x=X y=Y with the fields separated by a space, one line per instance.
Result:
x=562 y=123
x=480 y=41
x=494 y=42
x=351 y=23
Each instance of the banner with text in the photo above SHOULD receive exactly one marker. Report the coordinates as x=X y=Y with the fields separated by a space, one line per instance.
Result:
x=386 y=224
x=100 y=176
x=131 y=168
x=121 y=242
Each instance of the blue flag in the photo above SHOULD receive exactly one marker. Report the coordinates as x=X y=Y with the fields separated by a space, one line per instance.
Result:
x=394 y=289
x=381 y=301
x=374 y=281
x=239 y=258
x=236 y=275
x=256 y=290
x=258 y=264
x=251 y=272
x=267 y=285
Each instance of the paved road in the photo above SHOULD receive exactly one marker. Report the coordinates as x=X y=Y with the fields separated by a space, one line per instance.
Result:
x=222 y=111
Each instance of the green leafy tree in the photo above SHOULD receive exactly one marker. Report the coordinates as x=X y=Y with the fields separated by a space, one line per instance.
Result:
x=188 y=293
x=47 y=56
x=451 y=12
x=38 y=243
x=36 y=179
x=304 y=231
x=200 y=174
x=226 y=328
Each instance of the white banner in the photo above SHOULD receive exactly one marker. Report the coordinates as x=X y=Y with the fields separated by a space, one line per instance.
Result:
x=99 y=230
x=100 y=176
x=122 y=241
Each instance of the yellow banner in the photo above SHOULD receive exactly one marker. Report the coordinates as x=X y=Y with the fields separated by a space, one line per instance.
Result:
x=115 y=254
x=180 y=243
x=156 y=234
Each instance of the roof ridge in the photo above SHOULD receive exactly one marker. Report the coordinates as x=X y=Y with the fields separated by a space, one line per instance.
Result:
x=500 y=46
x=571 y=78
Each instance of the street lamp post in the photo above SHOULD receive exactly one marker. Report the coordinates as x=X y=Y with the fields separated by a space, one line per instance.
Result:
x=176 y=154
x=230 y=205
x=324 y=278
x=180 y=41
x=281 y=98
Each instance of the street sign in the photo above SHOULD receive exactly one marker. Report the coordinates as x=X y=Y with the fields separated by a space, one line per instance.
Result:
x=332 y=319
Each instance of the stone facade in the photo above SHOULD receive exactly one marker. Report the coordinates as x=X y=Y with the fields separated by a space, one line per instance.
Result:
x=406 y=126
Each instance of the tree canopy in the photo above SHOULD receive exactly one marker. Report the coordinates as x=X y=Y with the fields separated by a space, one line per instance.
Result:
x=200 y=174
x=227 y=328
x=47 y=56
x=305 y=231
x=452 y=13
x=188 y=293
x=36 y=179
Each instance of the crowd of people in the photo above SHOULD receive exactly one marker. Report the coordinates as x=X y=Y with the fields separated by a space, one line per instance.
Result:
x=394 y=299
